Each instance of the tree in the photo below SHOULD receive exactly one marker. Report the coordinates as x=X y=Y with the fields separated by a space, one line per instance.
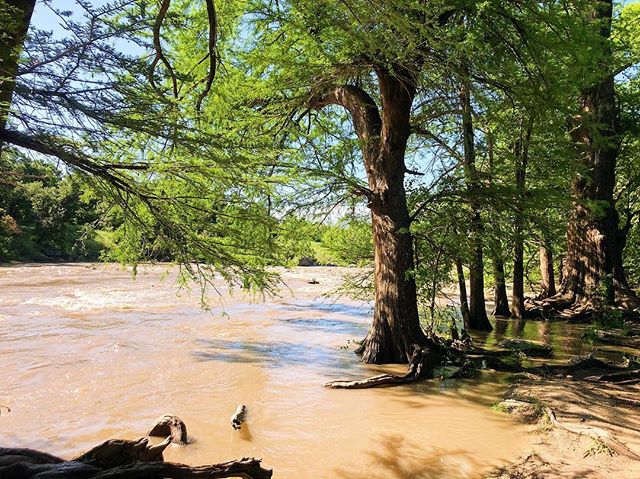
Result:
x=594 y=272
x=15 y=16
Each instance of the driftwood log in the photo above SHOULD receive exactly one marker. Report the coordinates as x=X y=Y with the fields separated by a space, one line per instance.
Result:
x=169 y=425
x=120 y=459
x=239 y=416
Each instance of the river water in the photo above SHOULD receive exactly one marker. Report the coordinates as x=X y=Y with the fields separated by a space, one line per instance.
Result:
x=87 y=353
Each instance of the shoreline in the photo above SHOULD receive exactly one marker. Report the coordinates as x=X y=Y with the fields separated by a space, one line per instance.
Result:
x=556 y=453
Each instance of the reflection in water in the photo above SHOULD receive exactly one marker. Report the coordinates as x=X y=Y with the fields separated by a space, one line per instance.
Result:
x=89 y=354
x=564 y=338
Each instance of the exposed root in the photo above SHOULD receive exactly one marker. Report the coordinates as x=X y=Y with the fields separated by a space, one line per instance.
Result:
x=118 y=452
x=622 y=377
x=437 y=353
x=568 y=307
x=596 y=433
x=121 y=458
x=423 y=361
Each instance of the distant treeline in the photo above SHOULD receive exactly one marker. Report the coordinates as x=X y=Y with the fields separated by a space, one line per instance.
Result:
x=46 y=214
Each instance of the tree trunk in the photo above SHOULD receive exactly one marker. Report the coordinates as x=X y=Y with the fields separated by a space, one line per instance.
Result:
x=11 y=42
x=477 y=312
x=521 y=156
x=500 y=299
x=546 y=270
x=594 y=274
x=396 y=325
x=395 y=329
x=462 y=288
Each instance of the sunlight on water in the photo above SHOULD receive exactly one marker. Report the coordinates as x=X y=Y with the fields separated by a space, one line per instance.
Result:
x=89 y=354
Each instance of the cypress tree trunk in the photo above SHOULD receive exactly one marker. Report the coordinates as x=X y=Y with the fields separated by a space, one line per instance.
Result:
x=383 y=137
x=462 y=288
x=594 y=274
x=11 y=42
x=521 y=156
x=500 y=299
x=477 y=311
x=546 y=271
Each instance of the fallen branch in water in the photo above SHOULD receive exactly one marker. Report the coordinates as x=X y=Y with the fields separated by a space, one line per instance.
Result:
x=596 y=433
x=121 y=458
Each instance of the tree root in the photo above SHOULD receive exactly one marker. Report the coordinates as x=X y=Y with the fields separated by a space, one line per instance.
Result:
x=622 y=377
x=596 y=433
x=121 y=458
x=423 y=362
x=567 y=307
x=437 y=353
x=471 y=359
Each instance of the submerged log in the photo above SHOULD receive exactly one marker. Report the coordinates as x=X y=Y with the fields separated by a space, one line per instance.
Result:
x=169 y=425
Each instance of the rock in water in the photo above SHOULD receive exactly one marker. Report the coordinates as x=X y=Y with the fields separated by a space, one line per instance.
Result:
x=239 y=416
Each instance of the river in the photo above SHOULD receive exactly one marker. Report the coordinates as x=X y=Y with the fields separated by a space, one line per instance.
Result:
x=89 y=353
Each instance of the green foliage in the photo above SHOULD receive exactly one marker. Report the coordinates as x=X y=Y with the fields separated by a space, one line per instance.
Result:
x=44 y=213
x=349 y=243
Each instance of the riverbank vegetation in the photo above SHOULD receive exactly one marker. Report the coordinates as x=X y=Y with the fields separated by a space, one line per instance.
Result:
x=446 y=143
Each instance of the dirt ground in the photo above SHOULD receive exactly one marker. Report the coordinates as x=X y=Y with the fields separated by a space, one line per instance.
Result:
x=555 y=453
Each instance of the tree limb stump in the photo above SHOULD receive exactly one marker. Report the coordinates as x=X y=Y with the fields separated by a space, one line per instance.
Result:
x=169 y=425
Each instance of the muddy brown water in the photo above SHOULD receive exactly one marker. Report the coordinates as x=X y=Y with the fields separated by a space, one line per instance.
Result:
x=87 y=353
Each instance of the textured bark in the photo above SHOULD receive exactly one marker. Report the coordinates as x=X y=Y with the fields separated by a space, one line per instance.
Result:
x=521 y=156
x=594 y=274
x=383 y=138
x=462 y=288
x=11 y=42
x=500 y=299
x=477 y=311
x=546 y=271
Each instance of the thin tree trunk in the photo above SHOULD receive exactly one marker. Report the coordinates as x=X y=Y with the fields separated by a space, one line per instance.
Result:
x=477 y=311
x=11 y=43
x=462 y=288
x=594 y=273
x=521 y=156
x=561 y=269
x=546 y=271
x=500 y=299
